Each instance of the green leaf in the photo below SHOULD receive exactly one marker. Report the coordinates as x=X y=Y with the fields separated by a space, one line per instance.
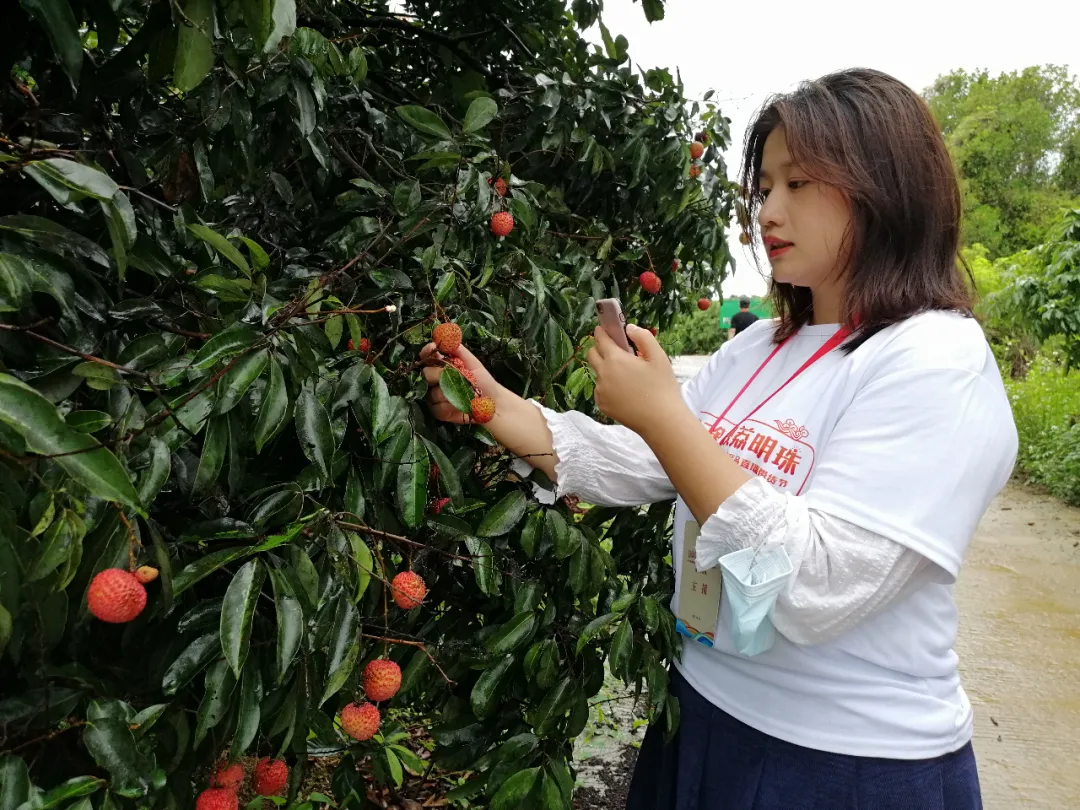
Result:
x=215 y=443
x=649 y=609
x=365 y=564
x=531 y=533
x=551 y=797
x=486 y=691
x=237 y=612
x=71 y=789
x=53 y=237
x=448 y=476
x=503 y=516
x=558 y=533
x=204 y=566
x=274 y=412
x=305 y=106
x=270 y=21
x=144 y=720
x=35 y=419
x=84 y=180
x=88 y=421
x=622 y=645
x=518 y=747
x=155 y=476
x=14 y=782
x=313 y=430
x=513 y=634
x=190 y=663
x=554 y=705
x=344 y=653
x=417 y=667
x=290 y=623
x=15 y=284
x=479 y=114
x=220 y=683
x=112 y=745
x=483 y=562
x=222 y=246
x=239 y=379
x=248 y=713
x=394 y=767
x=225 y=344
x=593 y=628
x=259 y=256
x=358 y=65
x=424 y=120
x=412 y=483
x=654 y=10
x=512 y=794
x=56 y=18
x=457 y=390
x=411 y=761
x=194 y=45
x=58 y=544
x=333 y=329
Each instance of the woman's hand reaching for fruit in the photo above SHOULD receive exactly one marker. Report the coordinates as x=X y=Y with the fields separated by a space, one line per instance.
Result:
x=471 y=368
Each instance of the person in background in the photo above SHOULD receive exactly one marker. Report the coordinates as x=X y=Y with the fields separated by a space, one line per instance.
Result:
x=855 y=441
x=743 y=319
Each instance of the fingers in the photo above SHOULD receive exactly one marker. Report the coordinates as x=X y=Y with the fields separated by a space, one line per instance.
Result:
x=647 y=345
x=432 y=374
x=593 y=357
x=444 y=411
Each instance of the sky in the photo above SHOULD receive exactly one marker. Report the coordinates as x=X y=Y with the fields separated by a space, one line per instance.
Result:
x=745 y=57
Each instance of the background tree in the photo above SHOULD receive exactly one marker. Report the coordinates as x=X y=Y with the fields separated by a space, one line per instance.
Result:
x=1014 y=139
x=226 y=229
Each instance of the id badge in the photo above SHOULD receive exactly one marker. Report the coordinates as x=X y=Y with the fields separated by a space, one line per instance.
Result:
x=699 y=593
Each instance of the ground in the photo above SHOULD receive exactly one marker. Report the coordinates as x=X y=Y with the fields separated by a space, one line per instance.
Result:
x=1019 y=648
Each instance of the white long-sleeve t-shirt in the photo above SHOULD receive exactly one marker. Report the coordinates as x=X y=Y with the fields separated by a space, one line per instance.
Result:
x=872 y=469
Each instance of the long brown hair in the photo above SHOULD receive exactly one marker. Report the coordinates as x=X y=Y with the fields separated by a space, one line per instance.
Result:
x=875 y=140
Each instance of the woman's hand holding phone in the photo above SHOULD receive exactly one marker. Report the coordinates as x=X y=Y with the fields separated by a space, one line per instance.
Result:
x=636 y=390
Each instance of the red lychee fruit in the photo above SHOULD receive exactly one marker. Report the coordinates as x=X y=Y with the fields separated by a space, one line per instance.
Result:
x=360 y=722
x=408 y=587
x=447 y=337
x=382 y=679
x=650 y=282
x=116 y=596
x=502 y=223
x=271 y=776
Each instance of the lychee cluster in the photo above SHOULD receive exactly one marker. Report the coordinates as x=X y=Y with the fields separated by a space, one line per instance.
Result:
x=270 y=778
x=381 y=680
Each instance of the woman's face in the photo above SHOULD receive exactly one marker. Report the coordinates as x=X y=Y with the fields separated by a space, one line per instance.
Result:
x=803 y=222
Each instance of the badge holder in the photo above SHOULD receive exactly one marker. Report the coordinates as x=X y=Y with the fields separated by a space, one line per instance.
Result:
x=699 y=593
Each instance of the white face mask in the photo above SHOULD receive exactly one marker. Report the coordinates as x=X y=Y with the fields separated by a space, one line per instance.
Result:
x=752 y=581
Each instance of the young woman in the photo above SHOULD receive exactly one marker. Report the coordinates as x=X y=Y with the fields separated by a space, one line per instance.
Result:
x=859 y=436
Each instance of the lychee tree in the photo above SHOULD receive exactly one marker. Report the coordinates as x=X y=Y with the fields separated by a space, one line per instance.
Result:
x=226 y=230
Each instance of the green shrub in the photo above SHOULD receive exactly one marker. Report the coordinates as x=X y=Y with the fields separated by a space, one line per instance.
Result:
x=1046 y=404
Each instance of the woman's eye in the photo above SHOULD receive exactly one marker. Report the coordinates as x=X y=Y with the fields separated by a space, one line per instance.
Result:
x=796 y=184
x=762 y=193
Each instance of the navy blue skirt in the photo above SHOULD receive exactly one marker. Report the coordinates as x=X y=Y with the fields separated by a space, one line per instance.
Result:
x=717 y=763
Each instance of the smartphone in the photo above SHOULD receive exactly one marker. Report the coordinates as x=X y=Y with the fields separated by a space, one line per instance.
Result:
x=609 y=310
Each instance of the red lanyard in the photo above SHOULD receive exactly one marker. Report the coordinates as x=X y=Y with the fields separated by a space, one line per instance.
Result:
x=838 y=337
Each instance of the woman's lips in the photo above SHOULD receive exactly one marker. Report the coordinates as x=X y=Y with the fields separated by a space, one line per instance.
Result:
x=777 y=248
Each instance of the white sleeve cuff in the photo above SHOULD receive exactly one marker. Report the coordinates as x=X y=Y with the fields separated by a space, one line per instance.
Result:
x=755 y=515
x=606 y=465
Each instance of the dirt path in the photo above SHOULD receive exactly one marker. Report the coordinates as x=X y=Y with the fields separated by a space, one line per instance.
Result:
x=1019 y=647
